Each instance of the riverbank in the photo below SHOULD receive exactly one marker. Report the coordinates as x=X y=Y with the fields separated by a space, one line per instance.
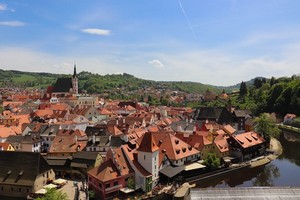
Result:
x=288 y=128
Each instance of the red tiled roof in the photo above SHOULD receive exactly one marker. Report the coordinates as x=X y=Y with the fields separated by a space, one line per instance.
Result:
x=148 y=143
x=229 y=129
x=249 y=139
x=105 y=172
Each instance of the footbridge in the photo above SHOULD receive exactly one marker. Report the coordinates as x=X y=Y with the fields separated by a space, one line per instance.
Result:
x=246 y=193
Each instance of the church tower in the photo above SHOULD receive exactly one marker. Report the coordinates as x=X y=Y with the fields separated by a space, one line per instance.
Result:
x=75 y=81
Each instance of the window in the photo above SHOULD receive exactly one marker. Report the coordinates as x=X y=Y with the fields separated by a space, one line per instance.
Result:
x=144 y=157
x=115 y=183
x=1 y=188
x=107 y=185
x=12 y=189
x=126 y=179
x=20 y=189
x=100 y=185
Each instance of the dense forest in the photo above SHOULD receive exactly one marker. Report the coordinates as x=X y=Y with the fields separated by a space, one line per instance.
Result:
x=281 y=95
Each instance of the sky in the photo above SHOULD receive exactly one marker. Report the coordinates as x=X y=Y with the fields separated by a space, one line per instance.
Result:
x=217 y=42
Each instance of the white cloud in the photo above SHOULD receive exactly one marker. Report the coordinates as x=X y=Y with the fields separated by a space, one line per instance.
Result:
x=12 y=23
x=156 y=63
x=3 y=7
x=96 y=31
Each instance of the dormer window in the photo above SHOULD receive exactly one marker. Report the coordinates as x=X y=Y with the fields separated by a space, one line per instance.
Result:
x=176 y=141
x=177 y=151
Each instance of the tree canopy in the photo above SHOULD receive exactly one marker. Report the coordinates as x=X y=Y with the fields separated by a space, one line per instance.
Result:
x=266 y=126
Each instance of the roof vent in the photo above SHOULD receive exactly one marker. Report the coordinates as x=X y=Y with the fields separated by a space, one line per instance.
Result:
x=164 y=151
x=183 y=149
x=177 y=151
x=176 y=141
x=21 y=173
x=9 y=172
x=190 y=148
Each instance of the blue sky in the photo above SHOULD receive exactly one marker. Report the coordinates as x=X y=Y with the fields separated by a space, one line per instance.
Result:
x=218 y=42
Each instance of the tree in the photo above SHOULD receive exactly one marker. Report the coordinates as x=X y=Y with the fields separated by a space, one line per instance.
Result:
x=266 y=127
x=53 y=194
x=243 y=89
x=257 y=82
x=131 y=183
x=212 y=161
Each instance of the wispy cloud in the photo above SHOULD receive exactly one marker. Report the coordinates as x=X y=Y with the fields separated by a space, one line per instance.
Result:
x=3 y=7
x=187 y=18
x=96 y=31
x=12 y=23
x=156 y=63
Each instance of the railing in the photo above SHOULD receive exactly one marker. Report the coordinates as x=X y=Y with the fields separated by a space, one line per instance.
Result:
x=113 y=188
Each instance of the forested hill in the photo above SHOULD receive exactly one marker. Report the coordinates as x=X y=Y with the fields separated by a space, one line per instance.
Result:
x=281 y=95
x=95 y=83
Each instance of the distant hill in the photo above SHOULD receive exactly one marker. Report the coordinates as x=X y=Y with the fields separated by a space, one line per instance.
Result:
x=95 y=83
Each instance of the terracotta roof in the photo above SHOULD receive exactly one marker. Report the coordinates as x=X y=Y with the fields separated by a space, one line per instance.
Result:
x=67 y=144
x=6 y=131
x=195 y=141
x=105 y=172
x=148 y=143
x=132 y=155
x=104 y=111
x=113 y=130
x=229 y=129
x=221 y=143
x=249 y=139
x=170 y=145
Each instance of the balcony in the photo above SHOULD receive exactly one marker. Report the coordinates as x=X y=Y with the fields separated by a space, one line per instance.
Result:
x=113 y=188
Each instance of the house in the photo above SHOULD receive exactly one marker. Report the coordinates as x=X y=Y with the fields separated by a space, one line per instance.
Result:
x=107 y=179
x=5 y=146
x=288 y=118
x=249 y=124
x=83 y=161
x=15 y=141
x=219 y=115
x=32 y=142
x=86 y=111
x=239 y=118
x=30 y=173
x=48 y=136
x=66 y=145
x=247 y=145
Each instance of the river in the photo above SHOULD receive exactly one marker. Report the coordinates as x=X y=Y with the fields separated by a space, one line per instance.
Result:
x=284 y=171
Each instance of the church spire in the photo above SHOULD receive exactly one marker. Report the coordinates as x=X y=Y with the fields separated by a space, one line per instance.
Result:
x=74 y=75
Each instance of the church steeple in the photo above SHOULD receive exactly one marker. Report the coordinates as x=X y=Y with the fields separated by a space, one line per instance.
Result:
x=75 y=81
x=74 y=74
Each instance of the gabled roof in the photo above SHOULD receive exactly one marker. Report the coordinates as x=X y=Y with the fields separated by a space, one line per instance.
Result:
x=148 y=143
x=105 y=172
x=249 y=139
x=240 y=113
x=115 y=166
x=229 y=129
x=62 y=85
x=67 y=144
x=29 y=166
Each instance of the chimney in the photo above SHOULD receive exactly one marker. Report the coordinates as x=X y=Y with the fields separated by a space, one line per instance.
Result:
x=94 y=138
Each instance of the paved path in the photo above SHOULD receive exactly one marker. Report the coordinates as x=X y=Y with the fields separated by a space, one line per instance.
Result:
x=69 y=189
x=248 y=193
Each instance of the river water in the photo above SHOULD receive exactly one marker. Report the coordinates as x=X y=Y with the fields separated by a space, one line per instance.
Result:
x=284 y=171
